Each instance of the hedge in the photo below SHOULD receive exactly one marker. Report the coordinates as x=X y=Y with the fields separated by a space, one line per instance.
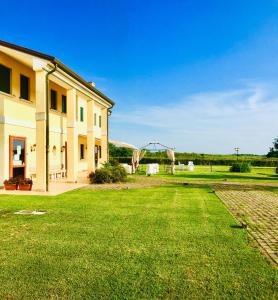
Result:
x=204 y=162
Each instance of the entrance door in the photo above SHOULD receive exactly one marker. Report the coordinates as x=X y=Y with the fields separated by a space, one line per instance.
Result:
x=17 y=156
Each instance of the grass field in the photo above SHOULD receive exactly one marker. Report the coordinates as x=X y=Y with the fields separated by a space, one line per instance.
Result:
x=165 y=242
x=221 y=173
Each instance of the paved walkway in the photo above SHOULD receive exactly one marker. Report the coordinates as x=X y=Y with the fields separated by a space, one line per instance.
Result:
x=256 y=208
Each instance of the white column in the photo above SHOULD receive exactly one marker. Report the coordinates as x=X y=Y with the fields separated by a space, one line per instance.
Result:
x=72 y=137
x=104 y=135
x=3 y=158
x=41 y=130
x=90 y=137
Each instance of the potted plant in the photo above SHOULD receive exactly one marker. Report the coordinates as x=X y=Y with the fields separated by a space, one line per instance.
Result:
x=11 y=184
x=25 y=184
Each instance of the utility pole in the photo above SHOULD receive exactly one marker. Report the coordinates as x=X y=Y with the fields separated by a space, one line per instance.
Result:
x=237 y=150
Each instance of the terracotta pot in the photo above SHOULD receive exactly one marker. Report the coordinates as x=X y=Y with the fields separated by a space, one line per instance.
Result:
x=25 y=187
x=10 y=186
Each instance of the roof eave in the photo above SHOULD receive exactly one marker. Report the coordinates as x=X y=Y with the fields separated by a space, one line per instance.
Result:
x=60 y=65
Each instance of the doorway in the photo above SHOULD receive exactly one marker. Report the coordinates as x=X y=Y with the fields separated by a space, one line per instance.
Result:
x=17 y=156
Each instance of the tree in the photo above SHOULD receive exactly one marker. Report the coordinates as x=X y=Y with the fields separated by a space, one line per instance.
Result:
x=273 y=152
x=115 y=151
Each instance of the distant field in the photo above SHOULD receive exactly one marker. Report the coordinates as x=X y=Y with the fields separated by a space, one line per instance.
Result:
x=220 y=173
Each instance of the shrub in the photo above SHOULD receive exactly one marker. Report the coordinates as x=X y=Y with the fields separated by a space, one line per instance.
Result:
x=118 y=173
x=12 y=180
x=244 y=167
x=25 y=181
x=235 y=167
x=108 y=174
x=101 y=176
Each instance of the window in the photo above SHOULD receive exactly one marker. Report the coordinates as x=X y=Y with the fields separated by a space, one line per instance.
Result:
x=53 y=100
x=95 y=119
x=99 y=121
x=81 y=151
x=24 y=87
x=64 y=104
x=81 y=114
x=5 y=79
x=99 y=151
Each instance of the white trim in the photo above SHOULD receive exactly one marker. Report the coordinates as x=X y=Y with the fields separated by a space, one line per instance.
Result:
x=39 y=64
x=30 y=125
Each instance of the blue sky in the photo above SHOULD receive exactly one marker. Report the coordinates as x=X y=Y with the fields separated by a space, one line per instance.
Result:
x=197 y=75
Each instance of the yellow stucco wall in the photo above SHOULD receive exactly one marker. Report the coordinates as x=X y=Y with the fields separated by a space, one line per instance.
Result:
x=18 y=118
x=17 y=68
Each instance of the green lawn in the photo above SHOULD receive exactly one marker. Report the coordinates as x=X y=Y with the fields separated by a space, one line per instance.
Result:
x=165 y=242
x=222 y=173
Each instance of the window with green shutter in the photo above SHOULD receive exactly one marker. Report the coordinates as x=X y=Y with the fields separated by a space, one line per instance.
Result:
x=95 y=119
x=81 y=114
x=24 y=87
x=53 y=100
x=99 y=121
x=64 y=104
x=5 y=79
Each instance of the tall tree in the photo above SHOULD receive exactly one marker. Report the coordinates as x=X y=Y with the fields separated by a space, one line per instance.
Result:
x=273 y=152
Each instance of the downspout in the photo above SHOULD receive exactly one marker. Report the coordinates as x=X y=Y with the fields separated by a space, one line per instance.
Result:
x=47 y=126
x=109 y=113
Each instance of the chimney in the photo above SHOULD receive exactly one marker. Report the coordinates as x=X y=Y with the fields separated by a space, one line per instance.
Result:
x=92 y=83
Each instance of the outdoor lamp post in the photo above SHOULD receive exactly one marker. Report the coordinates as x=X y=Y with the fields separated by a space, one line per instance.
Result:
x=237 y=150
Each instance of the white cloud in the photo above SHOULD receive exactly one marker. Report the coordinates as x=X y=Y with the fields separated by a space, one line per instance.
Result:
x=206 y=122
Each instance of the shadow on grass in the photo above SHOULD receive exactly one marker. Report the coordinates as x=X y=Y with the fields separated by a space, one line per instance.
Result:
x=236 y=226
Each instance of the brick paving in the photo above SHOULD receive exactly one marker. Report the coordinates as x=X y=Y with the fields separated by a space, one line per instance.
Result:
x=258 y=209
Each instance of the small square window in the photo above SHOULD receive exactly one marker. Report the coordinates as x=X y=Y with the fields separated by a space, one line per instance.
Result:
x=81 y=114
x=64 y=104
x=24 y=87
x=5 y=79
x=53 y=100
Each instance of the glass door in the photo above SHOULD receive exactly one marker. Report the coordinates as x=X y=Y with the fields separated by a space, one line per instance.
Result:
x=17 y=156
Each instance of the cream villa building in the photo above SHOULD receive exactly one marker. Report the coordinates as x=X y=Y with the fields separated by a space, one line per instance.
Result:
x=47 y=108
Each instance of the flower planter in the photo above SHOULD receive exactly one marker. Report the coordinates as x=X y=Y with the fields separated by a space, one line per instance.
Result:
x=25 y=187
x=10 y=186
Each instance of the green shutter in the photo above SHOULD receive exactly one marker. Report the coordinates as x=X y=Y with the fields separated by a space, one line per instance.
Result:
x=64 y=104
x=81 y=114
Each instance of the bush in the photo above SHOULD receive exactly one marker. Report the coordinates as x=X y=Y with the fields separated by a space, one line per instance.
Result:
x=118 y=173
x=101 y=176
x=244 y=167
x=108 y=174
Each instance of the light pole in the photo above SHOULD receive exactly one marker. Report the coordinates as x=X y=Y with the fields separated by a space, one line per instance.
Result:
x=237 y=150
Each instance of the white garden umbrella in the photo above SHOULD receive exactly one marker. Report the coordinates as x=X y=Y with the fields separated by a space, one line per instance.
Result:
x=171 y=156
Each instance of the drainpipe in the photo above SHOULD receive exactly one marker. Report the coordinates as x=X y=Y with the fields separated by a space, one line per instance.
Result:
x=109 y=113
x=47 y=126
